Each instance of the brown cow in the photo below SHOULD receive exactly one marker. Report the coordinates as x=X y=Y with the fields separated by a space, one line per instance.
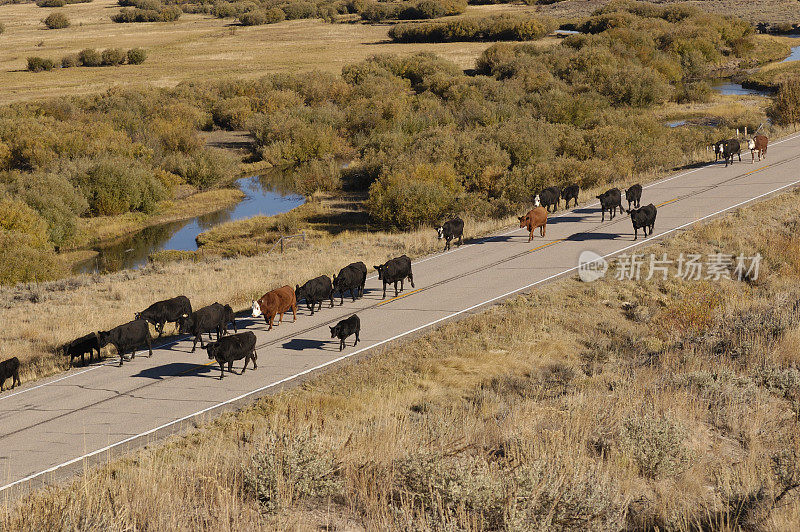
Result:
x=758 y=144
x=277 y=302
x=535 y=218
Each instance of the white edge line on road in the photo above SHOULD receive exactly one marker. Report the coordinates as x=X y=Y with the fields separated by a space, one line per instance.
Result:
x=377 y=344
x=434 y=256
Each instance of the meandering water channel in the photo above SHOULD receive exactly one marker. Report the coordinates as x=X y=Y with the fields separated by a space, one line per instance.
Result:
x=261 y=198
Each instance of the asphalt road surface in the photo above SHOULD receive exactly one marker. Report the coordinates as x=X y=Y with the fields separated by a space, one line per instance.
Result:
x=50 y=428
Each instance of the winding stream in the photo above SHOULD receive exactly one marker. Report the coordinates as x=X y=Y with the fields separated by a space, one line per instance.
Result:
x=261 y=198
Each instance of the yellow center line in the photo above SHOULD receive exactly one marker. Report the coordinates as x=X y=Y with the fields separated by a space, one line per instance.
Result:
x=545 y=245
x=758 y=170
x=399 y=297
x=667 y=202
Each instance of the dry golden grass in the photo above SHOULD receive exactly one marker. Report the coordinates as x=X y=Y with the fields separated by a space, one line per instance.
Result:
x=579 y=406
x=195 y=47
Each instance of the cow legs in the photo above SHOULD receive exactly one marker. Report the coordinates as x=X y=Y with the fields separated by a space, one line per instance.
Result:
x=356 y=342
x=269 y=320
x=635 y=233
x=221 y=369
x=384 y=290
x=341 y=344
x=543 y=229
x=320 y=305
x=230 y=366
x=254 y=357
x=530 y=235
x=294 y=312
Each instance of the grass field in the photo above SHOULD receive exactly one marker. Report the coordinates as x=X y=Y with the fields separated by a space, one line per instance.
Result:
x=196 y=47
x=668 y=405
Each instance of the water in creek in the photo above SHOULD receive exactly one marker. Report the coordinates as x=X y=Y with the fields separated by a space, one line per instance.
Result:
x=262 y=197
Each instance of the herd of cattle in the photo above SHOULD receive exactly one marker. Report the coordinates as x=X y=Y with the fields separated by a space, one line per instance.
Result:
x=216 y=318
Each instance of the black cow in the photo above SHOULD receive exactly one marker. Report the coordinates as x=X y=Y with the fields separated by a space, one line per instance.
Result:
x=230 y=317
x=394 y=271
x=9 y=369
x=634 y=196
x=570 y=192
x=718 y=149
x=127 y=337
x=728 y=149
x=163 y=311
x=548 y=197
x=81 y=346
x=610 y=200
x=315 y=291
x=233 y=347
x=205 y=320
x=450 y=230
x=644 y=218
x=345 y=328
x=352 y=277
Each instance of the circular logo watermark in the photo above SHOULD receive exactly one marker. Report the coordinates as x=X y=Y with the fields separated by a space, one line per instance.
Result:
x=591 y=266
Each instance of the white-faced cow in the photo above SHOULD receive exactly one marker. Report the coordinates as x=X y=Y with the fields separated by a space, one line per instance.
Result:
x=644 y=218
x=610 y=201
x=758 y=145
x=276 y=303
x=548 y=197
x=169 y=310
x=634 y=196
x=315 y=291
x=127 y=337
x=352 y=277
x=570 y=192
x=345 y=328
x=233 y=347
x=394 y=271
x=451 y=229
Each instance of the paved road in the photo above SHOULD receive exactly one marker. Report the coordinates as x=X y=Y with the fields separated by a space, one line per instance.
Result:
x=48 y=428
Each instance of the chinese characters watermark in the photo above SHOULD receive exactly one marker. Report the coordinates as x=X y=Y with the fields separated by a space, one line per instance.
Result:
x=687 y=266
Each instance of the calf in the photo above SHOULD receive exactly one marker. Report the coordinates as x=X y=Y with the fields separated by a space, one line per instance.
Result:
x=450 y=230
x=610 y=200
x=535 y=218
x=9 y=369
x=233 y=347
x=345 y=328
x=634 y=196
x=728 y=149
x=352 y=277
x=394 y=271
x=205 y=320
x=276 y=302
x=81 y=346
x=165 y=311
x=548 y=197
x=127 y=337
x=758 y=144
x=315 y=291
x=229 y=316
x=644 y=218
x=570 y=192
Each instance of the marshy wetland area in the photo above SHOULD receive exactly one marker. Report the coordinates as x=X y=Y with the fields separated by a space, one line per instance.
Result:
x=223 y=149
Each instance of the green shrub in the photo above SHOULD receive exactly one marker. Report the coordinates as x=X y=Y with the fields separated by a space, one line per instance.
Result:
x=298 y=10
x=112 y=185
x=290 y=468
x=259 y=16
x=785 y=107
x=495 y=28
x=70 y=60
x=21 y=262
x=656 y=445
x=232 y=113
x=407 y=200
x=56 y=21
x=38 y=64
x=113 y=57
x=165 y=14
x=90 y=57
x=136 y=56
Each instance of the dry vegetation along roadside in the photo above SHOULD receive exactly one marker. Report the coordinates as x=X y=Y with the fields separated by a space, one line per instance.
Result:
x=611 y=405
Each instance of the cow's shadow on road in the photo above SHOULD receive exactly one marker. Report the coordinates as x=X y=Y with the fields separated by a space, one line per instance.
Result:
x=300 y=344
x=176 y=369
x=583 y=237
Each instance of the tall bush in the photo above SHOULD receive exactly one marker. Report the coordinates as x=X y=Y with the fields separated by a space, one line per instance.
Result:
x=56 y=21
x=785 y=108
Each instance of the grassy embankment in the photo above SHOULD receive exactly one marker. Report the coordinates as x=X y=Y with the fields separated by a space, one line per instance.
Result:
x=618 y=404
